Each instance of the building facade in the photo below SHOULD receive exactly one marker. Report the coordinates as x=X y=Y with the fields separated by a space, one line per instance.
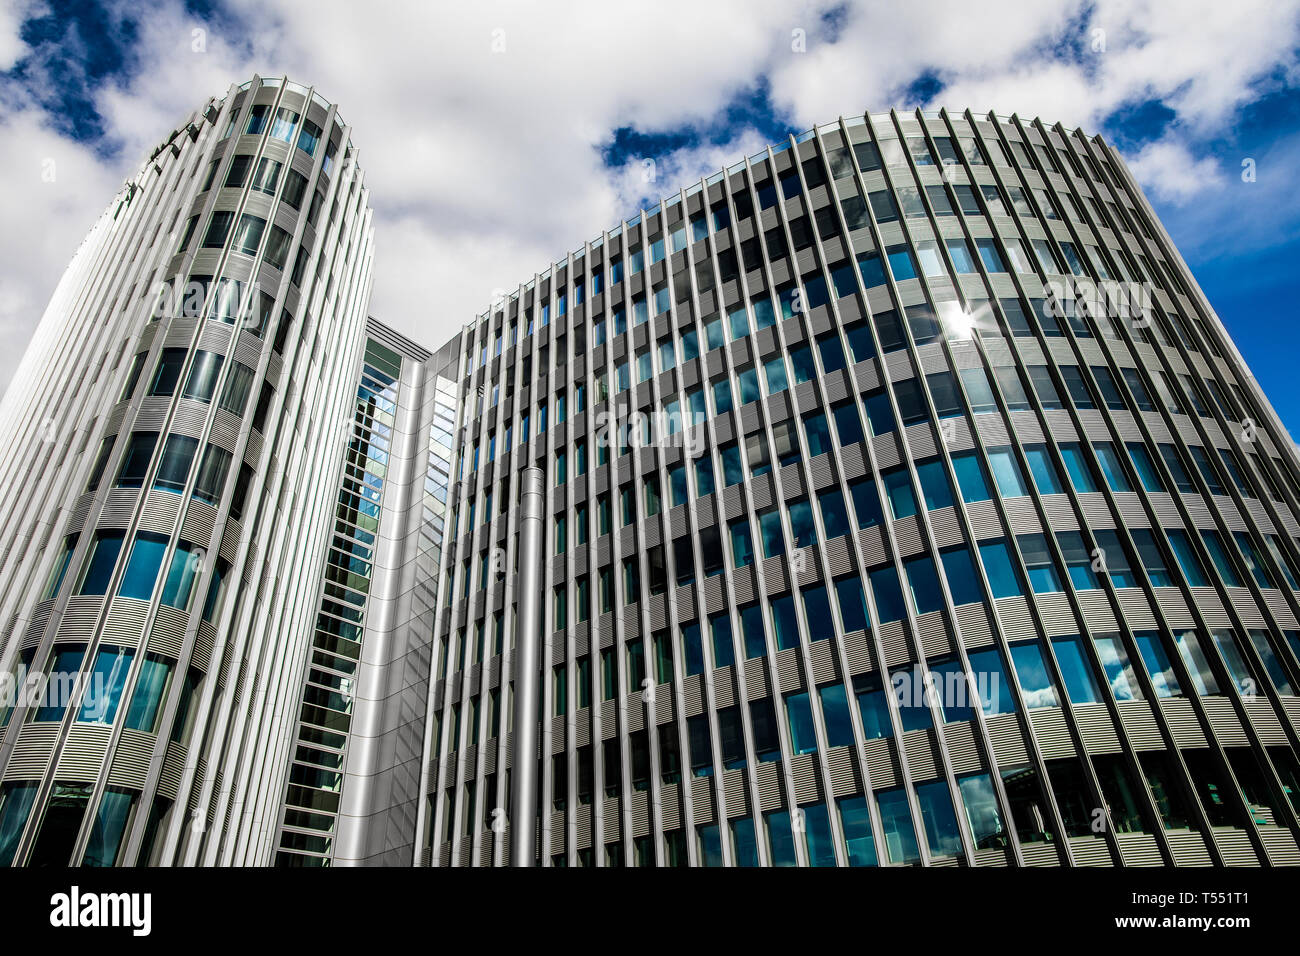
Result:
x=165 y=434
x=907 y=503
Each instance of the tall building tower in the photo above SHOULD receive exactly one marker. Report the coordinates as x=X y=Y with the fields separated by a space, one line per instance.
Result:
x=164 y=439
x=907 y=504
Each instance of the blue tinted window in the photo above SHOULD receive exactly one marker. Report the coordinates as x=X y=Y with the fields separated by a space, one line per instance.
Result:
x=817 y=612
x=1043 y=470
x=835 y=517
x=1156 y=659
x=866 y=502
x=847 y=423
x=1011 y=484
x=801 y=360
x=100 y=563
x=855 y=818
x=992 y=686
x=901 y=263
x=898 y=487
x=1188 y=560
x=880 y=414
x=720 y=632
x=872 y=707
x=751 y=627
x=1043 y=577
x=692 y=649
x=774 y=372
x=860 y=344
x=780 y=838
x=934 y=485
x=732 y=473
x=803 y=738
x=1002 y=575
x=747 y=380
x=784 y=623
x=142 y=566
x=938 y=818
x=963 y=579
x=1076 y=464
x=703 y=477
x=1080 y=684
x=887 y=594
x=817 y=834
x=769 y=523
x=103 y=693
x=1145 y=467
x=818 y=434
x=896 y=820
x=970 y=477
x=924 y=584
x=1111 y=466
x=872 y=269
x=949 y=681
x=853 y=603
x=1031 y=671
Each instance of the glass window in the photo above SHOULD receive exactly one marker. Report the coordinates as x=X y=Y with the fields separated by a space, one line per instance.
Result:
x=1006 y=472
x=1151 y=647
x=852 y=603
x=970 y=477
x=923 y=582
x=1003 y=577
x=784 y=622
x=938 y=818
x=1145 y=467
x=286 y=122
x=1219 y=557
x=1115 y=664
x=896 y=822
x=168 y=372
x=803 y=738
x=1188 y=559
x=1079 y=561
x=934 y=484
x=1112 y=467
x=866 y=502
x=1043 y=577
x=1076 y=465
x=872 y=707
x=142 y=566
x=898 y=488
x=887 y=594
x=1043 y=469
x=103 y=693
x=963 y=579
x=177 y=457
x=202 y=379
x=1080 y=685
x=855 y=820
x=1031 y=671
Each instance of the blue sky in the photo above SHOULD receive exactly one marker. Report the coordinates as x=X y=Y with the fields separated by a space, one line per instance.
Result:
x=487 y=162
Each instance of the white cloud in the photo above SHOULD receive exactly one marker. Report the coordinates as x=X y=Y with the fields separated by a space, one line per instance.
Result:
x=1167 y=170
x=484 y=165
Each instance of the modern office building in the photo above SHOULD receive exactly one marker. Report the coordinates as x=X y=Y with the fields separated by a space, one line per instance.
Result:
x=165 y=438
x=906 y=503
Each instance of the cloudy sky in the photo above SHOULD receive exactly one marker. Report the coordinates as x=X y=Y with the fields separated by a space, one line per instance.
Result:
x=497 y=136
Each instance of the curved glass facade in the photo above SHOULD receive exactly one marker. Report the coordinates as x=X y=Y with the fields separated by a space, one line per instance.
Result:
x=179 y=398
x=908 y=505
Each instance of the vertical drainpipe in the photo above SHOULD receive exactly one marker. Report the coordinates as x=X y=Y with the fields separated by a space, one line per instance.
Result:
x=528 y=639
